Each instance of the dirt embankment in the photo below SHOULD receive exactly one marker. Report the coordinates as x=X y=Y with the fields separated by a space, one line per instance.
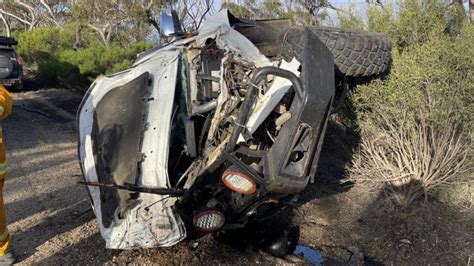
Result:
x=52 y=223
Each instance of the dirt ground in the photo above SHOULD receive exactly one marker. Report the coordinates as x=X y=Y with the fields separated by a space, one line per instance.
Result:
x=52 y=223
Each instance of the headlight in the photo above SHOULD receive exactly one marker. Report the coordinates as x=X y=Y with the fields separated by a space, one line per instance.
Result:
x=208 y=221
x=239 y=182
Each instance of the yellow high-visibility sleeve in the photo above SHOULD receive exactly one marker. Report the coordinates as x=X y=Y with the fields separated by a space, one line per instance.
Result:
x=6 y=102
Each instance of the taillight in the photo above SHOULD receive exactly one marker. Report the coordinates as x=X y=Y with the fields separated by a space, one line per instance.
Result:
x=208 y=221
x=239 y=182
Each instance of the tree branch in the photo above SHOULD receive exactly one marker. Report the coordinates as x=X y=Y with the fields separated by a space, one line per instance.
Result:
x=53 y=17
x=31 y=10
x=209 y=5
x=100 y=32
x=6 y=24
x=24 y=21
x=151 y=20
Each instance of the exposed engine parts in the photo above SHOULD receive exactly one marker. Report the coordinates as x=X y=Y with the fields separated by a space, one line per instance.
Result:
x=206 y=134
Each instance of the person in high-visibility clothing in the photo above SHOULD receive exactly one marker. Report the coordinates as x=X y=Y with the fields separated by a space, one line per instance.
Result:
x=6 y=102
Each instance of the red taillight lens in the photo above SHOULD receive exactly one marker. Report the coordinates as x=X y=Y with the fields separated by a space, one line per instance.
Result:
x=239 y=182
x=209 y=221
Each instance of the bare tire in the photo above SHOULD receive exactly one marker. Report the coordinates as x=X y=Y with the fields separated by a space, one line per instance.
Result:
x=6 y=67
x=356 y=53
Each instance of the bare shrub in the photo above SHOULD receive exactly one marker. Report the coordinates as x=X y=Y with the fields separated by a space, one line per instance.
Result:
x=411 y=159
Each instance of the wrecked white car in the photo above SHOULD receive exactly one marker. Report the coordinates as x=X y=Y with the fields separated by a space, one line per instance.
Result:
x=216 y=129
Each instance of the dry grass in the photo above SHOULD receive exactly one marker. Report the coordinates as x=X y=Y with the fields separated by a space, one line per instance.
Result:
x=412 y=159
x=458 y=194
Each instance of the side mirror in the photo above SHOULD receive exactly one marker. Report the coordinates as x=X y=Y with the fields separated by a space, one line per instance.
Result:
x=169 y=24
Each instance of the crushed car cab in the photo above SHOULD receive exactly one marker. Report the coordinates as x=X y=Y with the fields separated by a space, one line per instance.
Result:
x=203 y=134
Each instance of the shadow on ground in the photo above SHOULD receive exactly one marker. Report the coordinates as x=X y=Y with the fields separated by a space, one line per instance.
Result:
x=62 y=221
x=355 y=223
x=425 y=233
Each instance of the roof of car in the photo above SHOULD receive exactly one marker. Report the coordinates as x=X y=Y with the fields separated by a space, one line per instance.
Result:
x=4 y=40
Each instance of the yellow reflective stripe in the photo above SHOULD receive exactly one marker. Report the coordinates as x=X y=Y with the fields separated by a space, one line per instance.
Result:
x=4 y=235
x=3 y=168
x=1 y=109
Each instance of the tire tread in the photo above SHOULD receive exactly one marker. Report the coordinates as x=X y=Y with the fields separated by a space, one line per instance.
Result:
x=356 y=53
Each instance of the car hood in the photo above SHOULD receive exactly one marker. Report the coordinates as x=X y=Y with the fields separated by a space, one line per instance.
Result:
x=124 y=128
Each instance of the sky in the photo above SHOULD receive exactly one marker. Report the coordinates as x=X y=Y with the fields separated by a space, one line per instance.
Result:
x=360 y=6
x=336 y=3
